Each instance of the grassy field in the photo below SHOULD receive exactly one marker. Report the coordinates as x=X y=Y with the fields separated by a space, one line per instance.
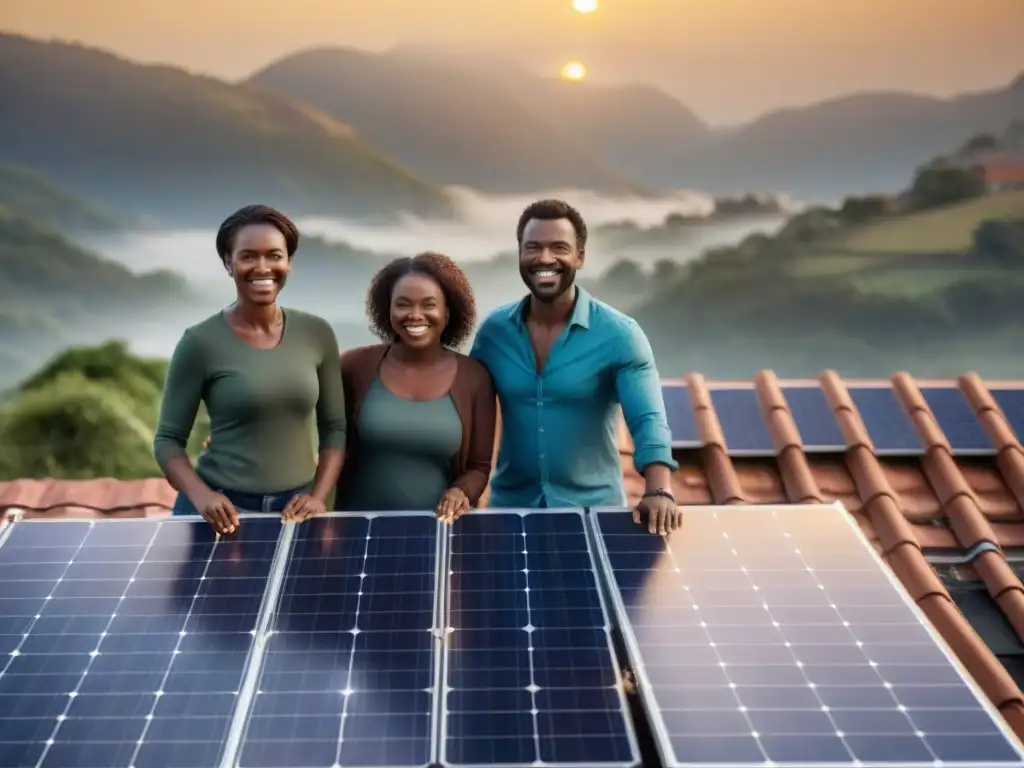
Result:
x=947 y=229
x=907 y=255
x=915 y=282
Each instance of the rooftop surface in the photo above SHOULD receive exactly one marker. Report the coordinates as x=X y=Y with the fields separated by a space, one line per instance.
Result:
x=932 y=472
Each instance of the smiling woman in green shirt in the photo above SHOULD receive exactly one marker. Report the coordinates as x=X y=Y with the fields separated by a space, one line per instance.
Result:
x=265 y=373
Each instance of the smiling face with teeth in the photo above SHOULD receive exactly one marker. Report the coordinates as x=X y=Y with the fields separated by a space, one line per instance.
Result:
x=418 y=311
x=549 y=257
x=259 y=263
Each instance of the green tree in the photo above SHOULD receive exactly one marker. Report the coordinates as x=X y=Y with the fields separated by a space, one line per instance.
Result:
x=1014 y=137
x=109 y=363
x=936 y=186
x=74 y=428
x=982 y=142
x=88 y=412
x=860 y=210
x=1000 y=242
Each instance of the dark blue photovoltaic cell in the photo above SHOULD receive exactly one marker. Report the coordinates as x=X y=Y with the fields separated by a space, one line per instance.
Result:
x=956 y=419
x=1011 y=403
x=348 y=672
x=530 y=674
x=680 y=415
x=774 y=634
x=814 y=418
x=125 y=642
x=885 y=420
x=742 y=421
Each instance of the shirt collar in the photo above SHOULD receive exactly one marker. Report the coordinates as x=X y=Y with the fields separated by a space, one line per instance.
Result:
x=580 y=311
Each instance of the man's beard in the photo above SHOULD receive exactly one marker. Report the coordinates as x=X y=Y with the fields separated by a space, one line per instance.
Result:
x=566 y=279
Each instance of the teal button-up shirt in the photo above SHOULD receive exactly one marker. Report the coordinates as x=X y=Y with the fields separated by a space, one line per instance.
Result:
x=559 y=444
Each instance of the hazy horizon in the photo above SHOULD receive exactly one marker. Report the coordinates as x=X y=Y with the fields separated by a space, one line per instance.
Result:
x=486 y=229
x=729 y=60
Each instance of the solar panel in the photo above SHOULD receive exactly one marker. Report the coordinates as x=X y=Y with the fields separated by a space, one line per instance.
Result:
x=775 y=635
x=125 y=641
x=886 y=422
x=814 y=419
x=531 y=677
x=1011 y=403
x=681 y=423
x=742 y=420
x=957 y=421
x=348 y=675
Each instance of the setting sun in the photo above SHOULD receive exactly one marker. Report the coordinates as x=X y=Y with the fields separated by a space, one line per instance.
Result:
x=574 y=70
x=584 y=6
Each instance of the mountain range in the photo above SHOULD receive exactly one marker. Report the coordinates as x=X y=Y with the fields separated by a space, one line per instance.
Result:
x=159 y=142
x=499 y=129
x=349 y=134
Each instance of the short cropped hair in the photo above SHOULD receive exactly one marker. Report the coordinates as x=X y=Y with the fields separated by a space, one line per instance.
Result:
x=552 y=210
x=255 y=214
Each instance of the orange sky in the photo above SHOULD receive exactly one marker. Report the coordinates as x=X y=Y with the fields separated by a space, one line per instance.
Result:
x=728 y=59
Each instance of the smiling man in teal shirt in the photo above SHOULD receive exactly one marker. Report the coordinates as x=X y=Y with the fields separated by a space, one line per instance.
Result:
x=562 y=363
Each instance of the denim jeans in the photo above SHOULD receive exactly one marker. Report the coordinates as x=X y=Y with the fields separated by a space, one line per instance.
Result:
x=244 y=502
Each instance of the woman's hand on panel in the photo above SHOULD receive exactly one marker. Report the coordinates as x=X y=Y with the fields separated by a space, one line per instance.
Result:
x=302 y=507
x=453 y=504
x=219 y=512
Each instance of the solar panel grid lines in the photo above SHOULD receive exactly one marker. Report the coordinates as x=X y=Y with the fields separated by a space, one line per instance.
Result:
x=530 y=678
x=780 y=630
x=135 y=655
x=1011 y=403
x=236 y=730
x=958 y=422
x=61 y=718
x=348 y=673
x=814 y=418
x=679 y=412
x=887 y=424
x=743 y=422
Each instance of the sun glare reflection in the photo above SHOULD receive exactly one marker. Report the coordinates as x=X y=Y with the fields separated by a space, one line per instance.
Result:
x=574 y=70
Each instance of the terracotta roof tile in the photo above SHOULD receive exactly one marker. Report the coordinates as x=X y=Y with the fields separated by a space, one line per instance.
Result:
x=910 y=508
x=101 y=497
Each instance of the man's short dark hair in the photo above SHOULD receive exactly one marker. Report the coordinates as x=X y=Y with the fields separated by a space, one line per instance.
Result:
x=552 y=210
x=255 y=214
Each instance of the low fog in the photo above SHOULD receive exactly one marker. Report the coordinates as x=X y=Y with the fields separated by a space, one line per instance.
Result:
x=483 y=241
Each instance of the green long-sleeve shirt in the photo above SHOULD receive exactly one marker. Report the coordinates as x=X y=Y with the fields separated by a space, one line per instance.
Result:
x=261 y=403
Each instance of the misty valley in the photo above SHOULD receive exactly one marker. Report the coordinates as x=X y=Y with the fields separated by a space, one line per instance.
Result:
x=783 y=243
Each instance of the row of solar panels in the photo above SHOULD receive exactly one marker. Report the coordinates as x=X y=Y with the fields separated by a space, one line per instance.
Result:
x=887 y=424
x=758 y=635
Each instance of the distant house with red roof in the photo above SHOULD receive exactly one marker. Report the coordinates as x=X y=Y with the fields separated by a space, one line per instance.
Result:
x=1002 y=170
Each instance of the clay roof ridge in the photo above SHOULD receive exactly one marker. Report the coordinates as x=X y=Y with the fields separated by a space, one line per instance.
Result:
x=851 y=426
x=1009 y=453
x=723 y=481
x=902 y=552
x=960 y=504
x=797 y=478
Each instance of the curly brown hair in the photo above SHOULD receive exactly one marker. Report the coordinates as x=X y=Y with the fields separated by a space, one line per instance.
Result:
x=458 y=295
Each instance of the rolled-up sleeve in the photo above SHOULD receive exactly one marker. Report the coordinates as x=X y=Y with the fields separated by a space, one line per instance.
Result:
x=643 y=406
x=183 y=392
x=330 y=406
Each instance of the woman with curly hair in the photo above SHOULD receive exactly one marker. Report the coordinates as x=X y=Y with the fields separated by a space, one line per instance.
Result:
x=420 y=415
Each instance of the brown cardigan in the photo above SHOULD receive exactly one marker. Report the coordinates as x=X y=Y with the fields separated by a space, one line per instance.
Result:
x=474 y=398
